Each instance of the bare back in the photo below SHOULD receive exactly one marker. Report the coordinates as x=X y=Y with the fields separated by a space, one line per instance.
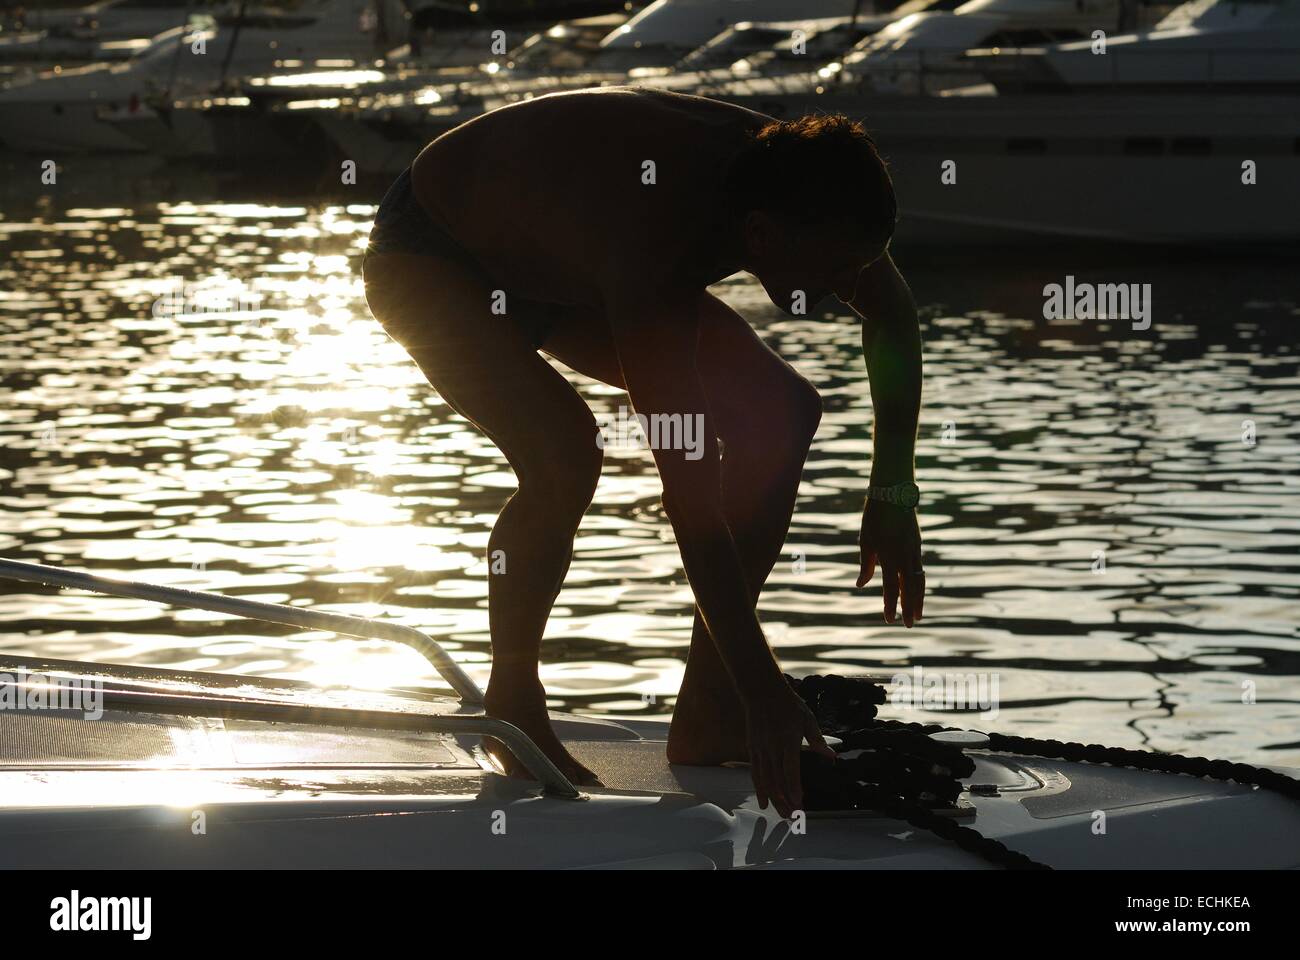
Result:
x=549 y=196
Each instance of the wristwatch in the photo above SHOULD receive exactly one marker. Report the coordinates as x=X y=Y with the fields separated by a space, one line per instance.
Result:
x=905 y=494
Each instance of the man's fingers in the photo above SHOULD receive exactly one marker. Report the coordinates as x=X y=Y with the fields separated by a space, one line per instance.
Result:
x=779 y=784
x=793 y=788
x=759 y=775
x=817 y=741
x=772 y=783
x=913 y=593
x=913 y=578
x=868 y=566
x=891 y=592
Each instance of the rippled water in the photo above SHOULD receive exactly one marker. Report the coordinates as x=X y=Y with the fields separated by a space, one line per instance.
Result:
x=290 y=453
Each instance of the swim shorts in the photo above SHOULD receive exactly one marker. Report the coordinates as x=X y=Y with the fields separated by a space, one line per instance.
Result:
x=403 y=226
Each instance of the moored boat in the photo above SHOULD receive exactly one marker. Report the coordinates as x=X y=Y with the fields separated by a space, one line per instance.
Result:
x=121 y=766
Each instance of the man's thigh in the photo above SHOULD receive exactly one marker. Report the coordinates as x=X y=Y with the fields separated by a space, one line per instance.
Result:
x=482 y=363
x=751 y=389
x=742 y=376
x=580 y=338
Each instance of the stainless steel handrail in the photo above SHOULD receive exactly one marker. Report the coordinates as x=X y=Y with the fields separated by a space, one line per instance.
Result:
x=519 y=743
x=537 y=763
x=340 y=623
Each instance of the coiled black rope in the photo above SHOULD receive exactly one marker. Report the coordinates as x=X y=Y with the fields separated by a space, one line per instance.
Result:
x=905 y=774
x=834 y=785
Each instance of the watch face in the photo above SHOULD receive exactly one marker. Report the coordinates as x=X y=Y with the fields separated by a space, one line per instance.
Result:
x=909 y=494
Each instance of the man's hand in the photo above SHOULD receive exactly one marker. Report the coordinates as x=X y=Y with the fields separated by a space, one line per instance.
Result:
x=777 y=725
x=891 y=346
x=891 y=538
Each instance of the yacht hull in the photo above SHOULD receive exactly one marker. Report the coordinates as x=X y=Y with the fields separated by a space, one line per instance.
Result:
x=139 y=787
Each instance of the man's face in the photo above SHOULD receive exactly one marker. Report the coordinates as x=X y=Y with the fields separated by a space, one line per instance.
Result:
x=814 y=261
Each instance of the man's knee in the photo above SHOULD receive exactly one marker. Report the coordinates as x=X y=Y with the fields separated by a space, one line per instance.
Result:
x=790 y=413
x=565 y=479
x=805 y=405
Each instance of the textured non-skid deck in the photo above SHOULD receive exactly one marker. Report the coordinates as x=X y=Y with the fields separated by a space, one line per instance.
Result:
x=635 y=765
x=643 y=765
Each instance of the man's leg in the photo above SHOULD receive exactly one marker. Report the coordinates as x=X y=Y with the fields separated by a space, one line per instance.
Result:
x=484 y=367
x=766 y=414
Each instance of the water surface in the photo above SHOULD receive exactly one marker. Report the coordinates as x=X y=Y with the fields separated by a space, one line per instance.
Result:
x=289 y=452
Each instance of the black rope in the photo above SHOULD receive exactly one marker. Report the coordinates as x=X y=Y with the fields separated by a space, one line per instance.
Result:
x=1200 y=767
x=1242 y=773
x=905 y=774
x=829 y=786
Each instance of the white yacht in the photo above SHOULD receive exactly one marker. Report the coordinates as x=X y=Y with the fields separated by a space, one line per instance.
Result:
x=118 y=19
x=1219 y=44
x=80 y=109
x=59 y=110
x=122 y=766
x=564 y=47
x=923 y=51
x=1008 y=147
x=767 y=48
x=376 y=114
x=669 y=29
x=111 y=30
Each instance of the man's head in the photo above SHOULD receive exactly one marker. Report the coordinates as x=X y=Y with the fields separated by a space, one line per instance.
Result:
x=814 y=205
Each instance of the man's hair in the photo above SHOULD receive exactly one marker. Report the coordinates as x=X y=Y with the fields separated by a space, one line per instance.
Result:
x=813 y=171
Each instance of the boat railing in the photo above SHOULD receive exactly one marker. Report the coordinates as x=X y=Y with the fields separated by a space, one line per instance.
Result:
x=136 y=700
x=343 y=624
x=520 y=745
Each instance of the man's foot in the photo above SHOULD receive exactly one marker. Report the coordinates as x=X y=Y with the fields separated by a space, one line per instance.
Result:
x=524 y=706
x=707 y=733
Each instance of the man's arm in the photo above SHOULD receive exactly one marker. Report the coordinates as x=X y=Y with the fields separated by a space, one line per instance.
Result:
x=656 y=340
x=891 y=346
x=656 y=346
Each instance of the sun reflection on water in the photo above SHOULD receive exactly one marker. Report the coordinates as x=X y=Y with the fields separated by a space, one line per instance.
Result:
x=289 y=451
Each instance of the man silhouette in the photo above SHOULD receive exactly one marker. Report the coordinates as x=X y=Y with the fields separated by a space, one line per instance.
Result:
x=595 y=221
